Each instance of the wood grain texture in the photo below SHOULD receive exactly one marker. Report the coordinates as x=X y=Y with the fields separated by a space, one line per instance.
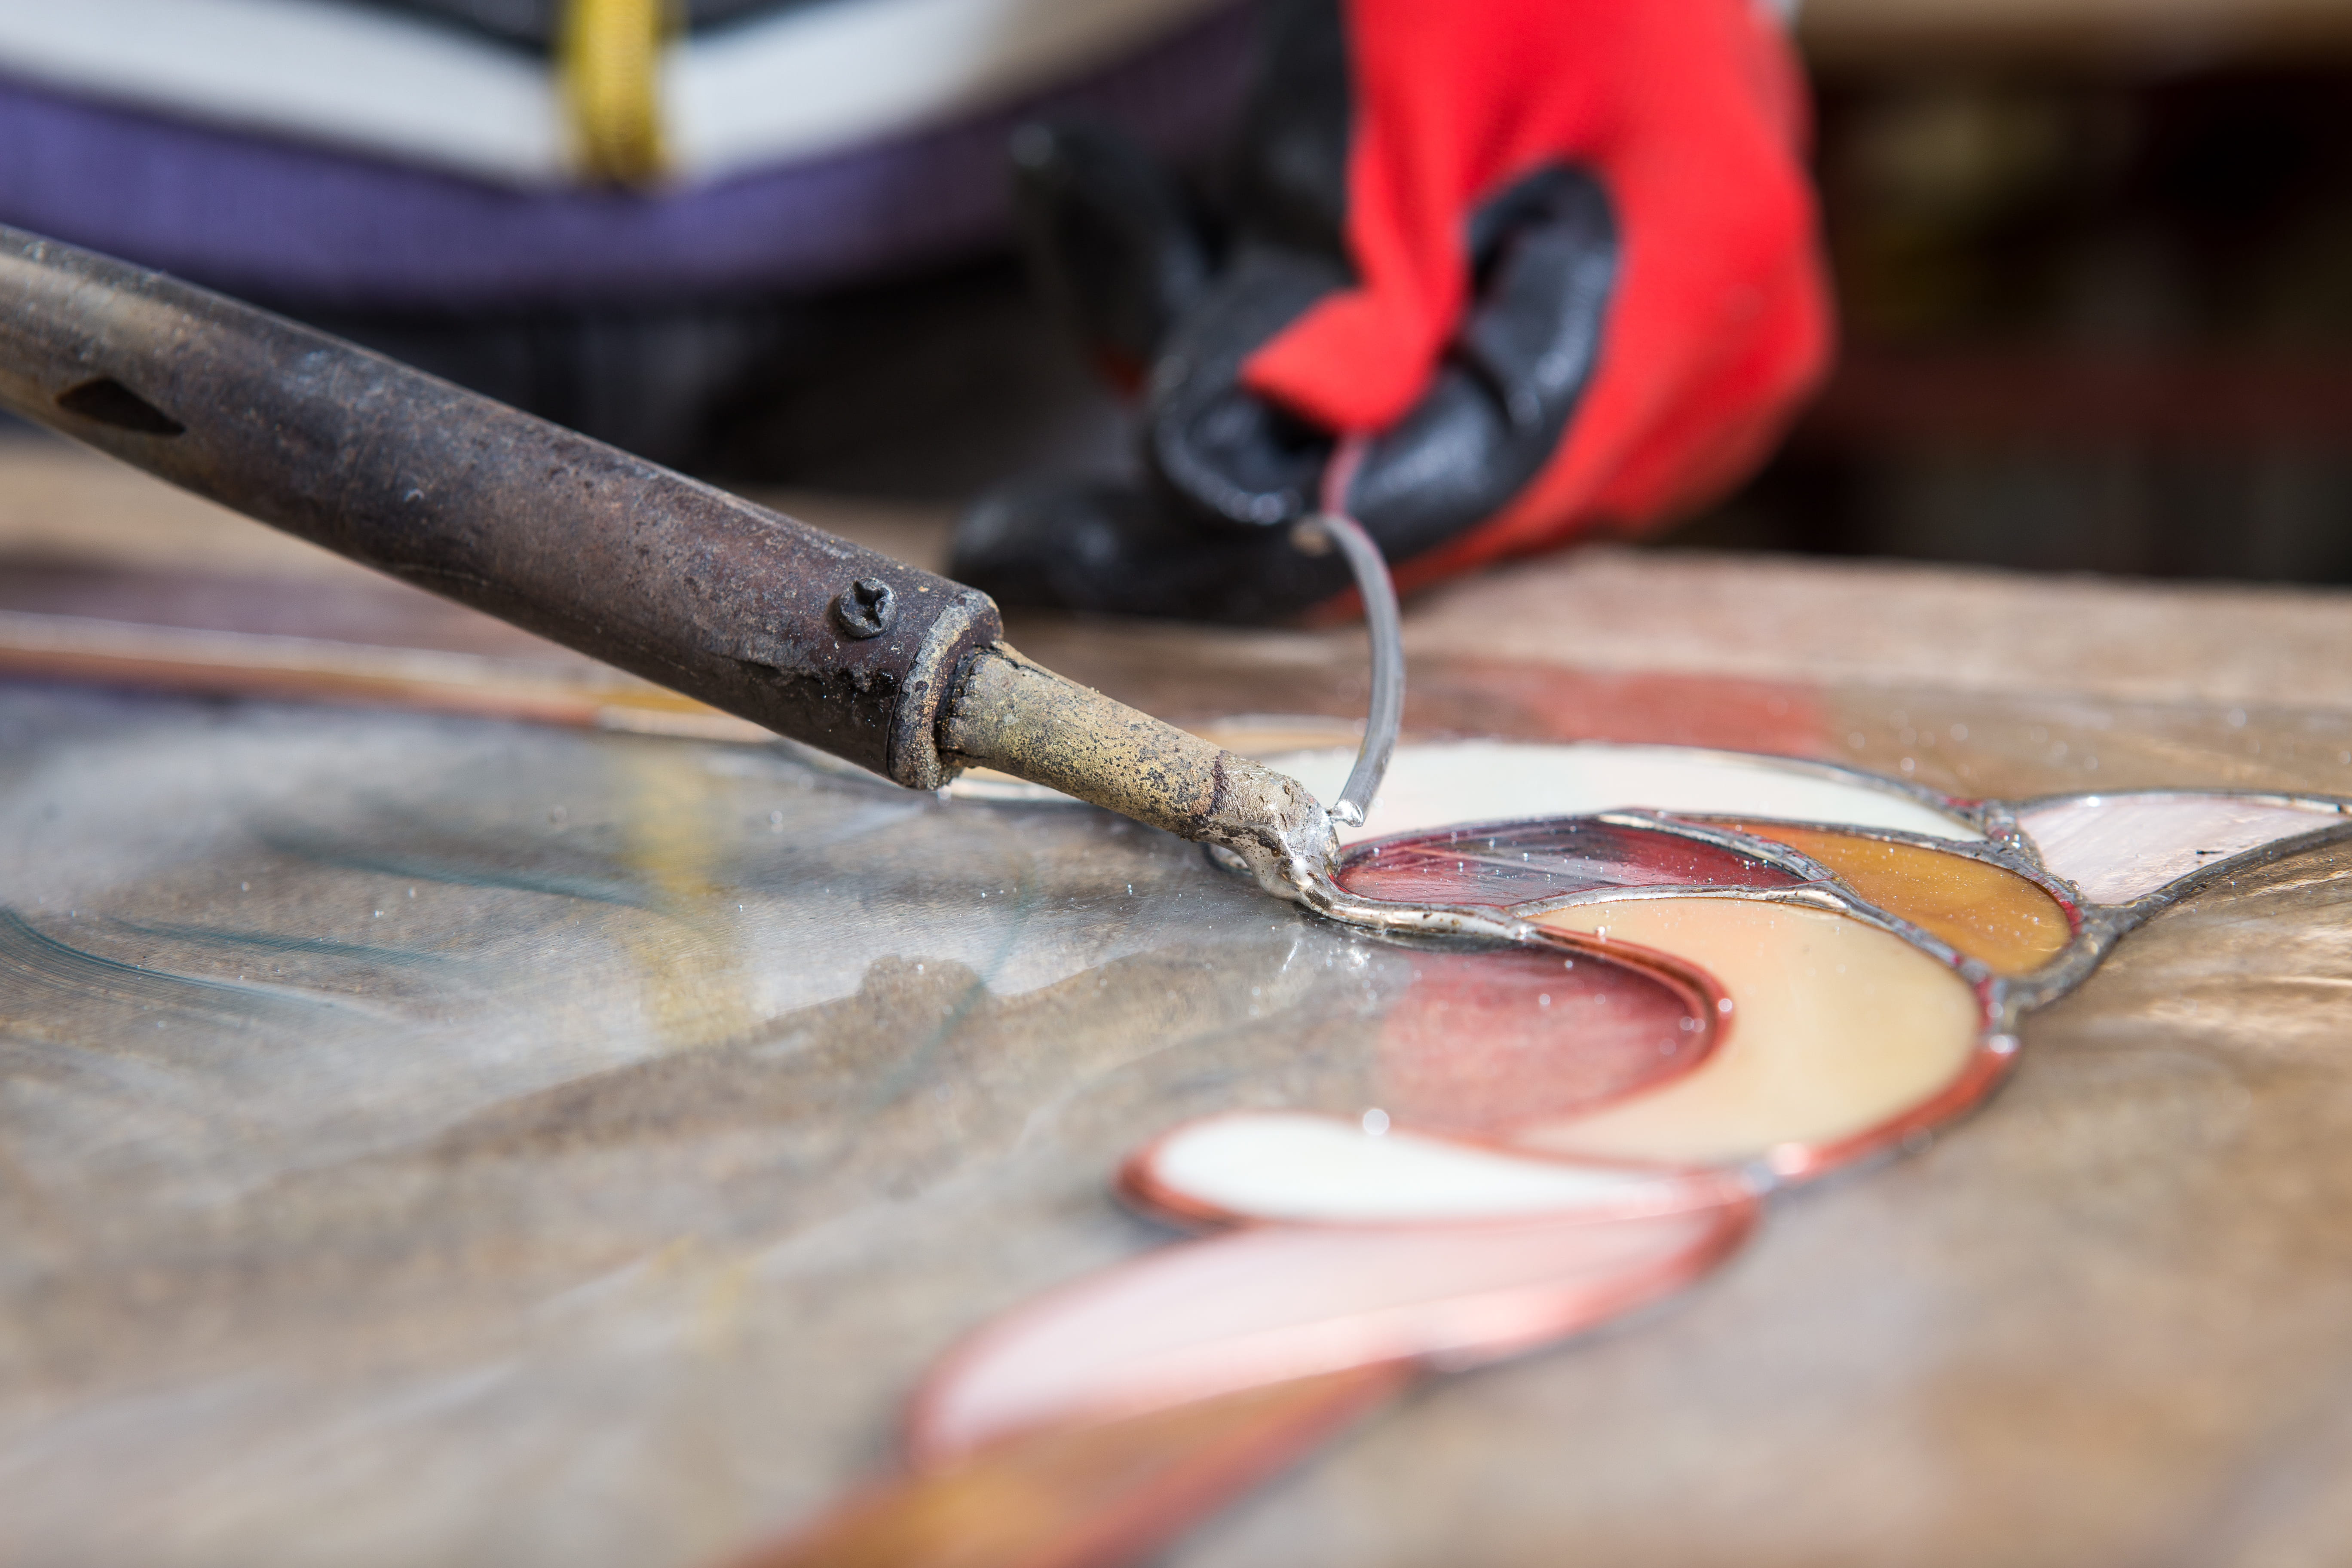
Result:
x=599 y=1199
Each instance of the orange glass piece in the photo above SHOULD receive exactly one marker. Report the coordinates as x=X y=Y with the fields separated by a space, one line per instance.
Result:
x=1086 y=1495
x=1986 y=912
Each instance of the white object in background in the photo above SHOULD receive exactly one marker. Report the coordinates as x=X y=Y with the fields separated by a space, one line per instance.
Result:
x=2119 y=847
x=343 y=76
x=817 y=79
x=1436 y=783
x=809 y=81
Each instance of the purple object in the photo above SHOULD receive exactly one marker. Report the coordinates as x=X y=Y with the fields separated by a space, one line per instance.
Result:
x=305 y=226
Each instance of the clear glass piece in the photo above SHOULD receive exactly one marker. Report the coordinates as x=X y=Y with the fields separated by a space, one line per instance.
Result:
x=2120 y=848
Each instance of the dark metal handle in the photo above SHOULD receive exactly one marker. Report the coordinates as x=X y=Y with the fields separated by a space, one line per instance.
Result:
x=585 y=544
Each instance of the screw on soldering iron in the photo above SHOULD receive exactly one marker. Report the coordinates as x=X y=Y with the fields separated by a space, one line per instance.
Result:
x=866 y=608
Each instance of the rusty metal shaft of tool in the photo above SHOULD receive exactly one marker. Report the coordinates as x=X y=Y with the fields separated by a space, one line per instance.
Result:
x=816 y=638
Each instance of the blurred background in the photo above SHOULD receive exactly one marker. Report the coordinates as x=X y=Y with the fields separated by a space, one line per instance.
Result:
x=2095 y=268
x=2095 y=262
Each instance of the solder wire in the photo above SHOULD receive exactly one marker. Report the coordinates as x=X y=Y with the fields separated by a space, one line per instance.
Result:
x=1378 y=590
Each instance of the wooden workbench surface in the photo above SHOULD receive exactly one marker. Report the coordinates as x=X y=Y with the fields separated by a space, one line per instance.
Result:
x=428 y=1138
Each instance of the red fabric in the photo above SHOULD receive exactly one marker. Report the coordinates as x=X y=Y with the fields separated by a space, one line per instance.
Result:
x=1691 y=114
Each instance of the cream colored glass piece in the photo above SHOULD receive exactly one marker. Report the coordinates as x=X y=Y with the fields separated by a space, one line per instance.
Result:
x=2119 y=847
x=1433 y=784
x=1837 y=1028
x=1285 y=1165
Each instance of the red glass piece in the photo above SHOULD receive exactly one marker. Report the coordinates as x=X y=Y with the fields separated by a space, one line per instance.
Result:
x=1498 y=865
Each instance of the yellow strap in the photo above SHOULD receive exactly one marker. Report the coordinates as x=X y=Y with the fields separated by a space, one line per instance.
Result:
x=607 y=62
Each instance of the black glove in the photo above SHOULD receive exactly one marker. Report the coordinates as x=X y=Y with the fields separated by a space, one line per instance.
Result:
x=1175 y=291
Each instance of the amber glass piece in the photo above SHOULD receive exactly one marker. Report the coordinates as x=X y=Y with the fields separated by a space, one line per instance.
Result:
x=1839 y=1032
x=1986 y=912
x=1076 y=1496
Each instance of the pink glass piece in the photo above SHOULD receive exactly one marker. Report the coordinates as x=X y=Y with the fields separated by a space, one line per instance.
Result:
x=1297 y=1168
x=1498 y=865
x=2120 y=848
x=1483 y=1039
x=1266 y=1305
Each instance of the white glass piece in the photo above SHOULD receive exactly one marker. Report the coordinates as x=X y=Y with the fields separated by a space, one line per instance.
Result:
x=1320 y=1170
x=1435 y=784
x=2119 y=847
